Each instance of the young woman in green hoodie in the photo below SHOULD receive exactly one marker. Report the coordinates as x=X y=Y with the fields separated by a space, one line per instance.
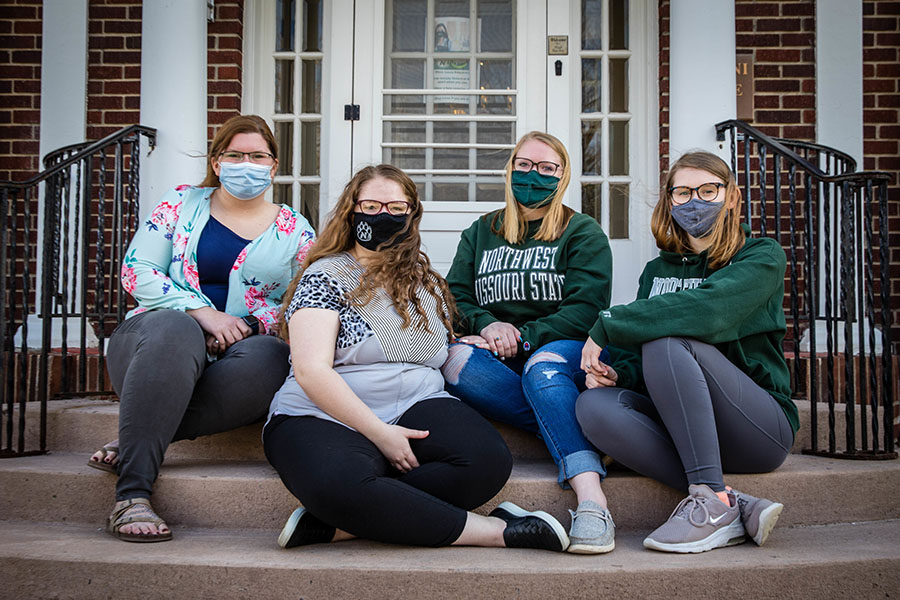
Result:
x=706 y=329
x=528 y=280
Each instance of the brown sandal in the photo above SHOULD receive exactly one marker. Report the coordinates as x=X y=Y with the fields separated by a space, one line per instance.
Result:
x=118 y=518
x=102 y=464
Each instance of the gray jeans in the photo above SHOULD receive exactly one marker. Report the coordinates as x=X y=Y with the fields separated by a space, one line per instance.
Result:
x=703 y=415
x=168 y=391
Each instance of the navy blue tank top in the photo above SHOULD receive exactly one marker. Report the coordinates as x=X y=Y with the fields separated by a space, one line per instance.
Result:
x=217 y=249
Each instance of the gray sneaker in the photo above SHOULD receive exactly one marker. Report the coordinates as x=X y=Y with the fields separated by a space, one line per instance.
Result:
x=699 y=523
x=758 y=514
x=592 y=531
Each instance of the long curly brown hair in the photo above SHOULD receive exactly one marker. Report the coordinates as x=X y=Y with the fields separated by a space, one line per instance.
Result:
x=400 y=269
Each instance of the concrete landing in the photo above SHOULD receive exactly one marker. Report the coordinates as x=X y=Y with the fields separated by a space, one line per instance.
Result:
x=40 y=560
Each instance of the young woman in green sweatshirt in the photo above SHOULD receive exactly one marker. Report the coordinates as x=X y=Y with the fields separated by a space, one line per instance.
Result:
x=706 y=329
x=528 y=281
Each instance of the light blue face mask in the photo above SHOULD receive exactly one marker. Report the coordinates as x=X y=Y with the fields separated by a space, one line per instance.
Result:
x=245 y=180
x=697 y=216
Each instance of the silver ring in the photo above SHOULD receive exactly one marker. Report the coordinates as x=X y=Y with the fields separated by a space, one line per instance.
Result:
x=216 y=342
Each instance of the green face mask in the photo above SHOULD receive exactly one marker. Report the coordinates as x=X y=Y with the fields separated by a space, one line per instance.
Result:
x=532 y=189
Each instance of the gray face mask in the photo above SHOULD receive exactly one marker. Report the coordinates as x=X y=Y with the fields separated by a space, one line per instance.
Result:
x=697 y=216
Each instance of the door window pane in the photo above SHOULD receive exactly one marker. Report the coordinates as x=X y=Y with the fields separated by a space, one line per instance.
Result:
x=297 y=111
x=618 y=24
x=284 y=86
x=458 y=59
x=605 y=118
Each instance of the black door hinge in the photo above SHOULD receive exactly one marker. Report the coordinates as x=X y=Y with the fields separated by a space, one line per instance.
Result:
x=351 y=112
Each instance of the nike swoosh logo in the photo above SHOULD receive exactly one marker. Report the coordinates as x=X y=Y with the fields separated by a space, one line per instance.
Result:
x=717 y=519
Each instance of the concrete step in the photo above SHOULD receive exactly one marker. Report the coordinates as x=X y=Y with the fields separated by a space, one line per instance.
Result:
x=249 y=494
x=84 y=425
x=39 y=560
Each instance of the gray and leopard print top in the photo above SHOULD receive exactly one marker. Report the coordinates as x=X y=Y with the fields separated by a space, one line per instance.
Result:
x=390 y=368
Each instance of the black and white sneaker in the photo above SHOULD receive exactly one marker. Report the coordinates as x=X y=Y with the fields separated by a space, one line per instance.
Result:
x=531 y=529
x=303 y=528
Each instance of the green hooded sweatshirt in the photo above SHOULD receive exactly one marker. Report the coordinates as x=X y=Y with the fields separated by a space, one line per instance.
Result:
x=736 y=308
x=549 y=290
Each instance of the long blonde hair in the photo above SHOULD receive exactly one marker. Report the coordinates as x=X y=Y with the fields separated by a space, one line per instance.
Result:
x=510 y=221
x=400 y=269
x=726 y=236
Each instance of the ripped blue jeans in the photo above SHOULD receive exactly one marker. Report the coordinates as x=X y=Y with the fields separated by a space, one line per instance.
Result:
x=537 y=396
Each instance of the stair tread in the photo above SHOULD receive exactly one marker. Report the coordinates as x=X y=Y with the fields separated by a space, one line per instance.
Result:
x=844 y=542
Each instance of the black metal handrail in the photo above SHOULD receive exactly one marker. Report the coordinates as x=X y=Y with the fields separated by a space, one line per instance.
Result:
x=833 y=225
x=90 y=204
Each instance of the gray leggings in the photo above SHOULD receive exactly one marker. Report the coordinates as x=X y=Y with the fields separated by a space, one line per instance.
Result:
x=703 y=414
x=168 y=391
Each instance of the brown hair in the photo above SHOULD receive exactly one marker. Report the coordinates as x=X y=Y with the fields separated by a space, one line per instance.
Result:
x=400 y=269
x=726 y=236
x=232 y=127
x=510 y=222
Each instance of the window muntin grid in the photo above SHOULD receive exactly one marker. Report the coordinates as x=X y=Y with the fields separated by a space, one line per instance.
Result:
x=298 y=104
x=449 y=112
x=605 y=114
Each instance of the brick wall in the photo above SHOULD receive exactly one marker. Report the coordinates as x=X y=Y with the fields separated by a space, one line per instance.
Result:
x=20 y=88
x=881 y=119
x=224 y=63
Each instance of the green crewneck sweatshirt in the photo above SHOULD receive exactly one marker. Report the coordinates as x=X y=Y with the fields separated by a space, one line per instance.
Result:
x=737 y=309
x=548 y=290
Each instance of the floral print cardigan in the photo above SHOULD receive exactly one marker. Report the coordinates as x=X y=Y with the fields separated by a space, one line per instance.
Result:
x=160 y=267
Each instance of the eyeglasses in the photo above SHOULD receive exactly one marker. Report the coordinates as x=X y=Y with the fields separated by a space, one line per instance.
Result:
x=544 y=167
x=233 y=156
x=373 y=207
x=706 y=192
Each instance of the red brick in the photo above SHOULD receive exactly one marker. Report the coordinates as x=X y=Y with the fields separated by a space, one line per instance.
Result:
x=25 y=13
x=5 y=117
x=27 y=42
x=121 y=87
x=121 y=57
x=886 y=39
x=808 y=86
x=132 y=72
x=868 y=101
x=224 y=57
x=889 y=163
x=778 y=116
x=777 y=85
x=798 y=101
x=760 y=101
x=882 y=147
x=889 y=101
x=879 y=24
x=755 y=40
x=229 y=73
x=799 y=132
x=228 y=102
x=880 y=116
x=223 y=87
x=888 y=70
x=133 y=102
x=105 y=72
x=27 y=116
x=121 y=27
x=230 y=42
x=114 y=42
x=28 y=27
x=17 y=71
x=16 y=101
x=109 y=12
x=880 y=54
x=798 y=9
x=802 y=70
x=780 y=24
x=778 y=56
x=743 y=8
x=105 y=102
x=892 y=131
x=879 y=85
x=121 y=117
x=888 y=8
x=760 y=71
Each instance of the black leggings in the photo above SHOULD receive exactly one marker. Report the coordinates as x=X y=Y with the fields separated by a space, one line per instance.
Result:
x=343 y=479
x=703 y=414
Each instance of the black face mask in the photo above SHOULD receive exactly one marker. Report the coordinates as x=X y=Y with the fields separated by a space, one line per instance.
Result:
x=374 y=230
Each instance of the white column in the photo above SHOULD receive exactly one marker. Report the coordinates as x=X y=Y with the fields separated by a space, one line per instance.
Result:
x=173 y=95
x=702 y=78
x=839 y=92
x=63 y=114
